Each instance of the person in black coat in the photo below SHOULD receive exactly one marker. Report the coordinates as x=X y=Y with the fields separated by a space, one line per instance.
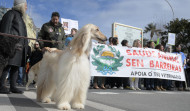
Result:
x=36 y=54
x=13 y=23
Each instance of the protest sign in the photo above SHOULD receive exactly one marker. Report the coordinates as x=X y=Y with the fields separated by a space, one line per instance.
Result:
x=171 y=38
x=68 y=24
x=117 y=61
x=127 y=32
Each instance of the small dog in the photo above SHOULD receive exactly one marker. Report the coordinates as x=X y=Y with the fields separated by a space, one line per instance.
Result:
x=65 y=77
x=32 y=75
x=34 y=70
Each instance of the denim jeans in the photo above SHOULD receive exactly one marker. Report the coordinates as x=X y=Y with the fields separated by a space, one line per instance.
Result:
x=20 y=75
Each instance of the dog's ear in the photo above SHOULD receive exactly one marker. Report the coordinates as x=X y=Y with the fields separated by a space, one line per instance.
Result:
x=80 y=43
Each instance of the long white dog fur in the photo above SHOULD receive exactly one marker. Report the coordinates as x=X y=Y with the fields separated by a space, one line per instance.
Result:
x=34 y=70
x=33 y=74
x=65 y=77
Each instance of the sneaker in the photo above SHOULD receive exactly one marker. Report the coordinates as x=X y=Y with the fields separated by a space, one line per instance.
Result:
x=138 y=88
x=121 y=87
x=186 y=89
x=107 y=87
x=132 y=88
x=114 y=87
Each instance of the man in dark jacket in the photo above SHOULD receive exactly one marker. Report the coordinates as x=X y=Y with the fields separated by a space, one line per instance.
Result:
x=36 y=54
x=13 y=23
x=52 y=31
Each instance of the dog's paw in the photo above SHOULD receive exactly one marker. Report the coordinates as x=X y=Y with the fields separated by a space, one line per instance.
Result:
x=46 y=100
x=77 y=106
x=35 y=86
x=64 y=106
x=27 y=88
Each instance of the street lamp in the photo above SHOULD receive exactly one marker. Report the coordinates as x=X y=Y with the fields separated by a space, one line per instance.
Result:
x=173 y=19
x=170 y=7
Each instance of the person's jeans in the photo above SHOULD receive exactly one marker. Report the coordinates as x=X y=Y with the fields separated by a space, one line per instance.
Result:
x=20 y=76
x=13 y=76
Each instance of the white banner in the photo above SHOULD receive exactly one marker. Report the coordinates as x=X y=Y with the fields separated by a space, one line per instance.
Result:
x=118 y=61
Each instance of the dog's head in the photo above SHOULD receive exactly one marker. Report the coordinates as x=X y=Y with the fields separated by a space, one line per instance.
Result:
x=82 y=40
x=96 y=34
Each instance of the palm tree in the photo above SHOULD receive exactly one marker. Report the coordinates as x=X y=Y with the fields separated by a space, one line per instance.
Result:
x=152 y=29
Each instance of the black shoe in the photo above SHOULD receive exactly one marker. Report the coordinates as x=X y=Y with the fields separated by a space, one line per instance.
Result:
x=16 y=90
x=148 y=88
x=153 y=88
x=4 y=90
x=170 y=89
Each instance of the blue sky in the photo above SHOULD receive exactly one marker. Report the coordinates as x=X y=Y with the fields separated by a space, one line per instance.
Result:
x=103 y=13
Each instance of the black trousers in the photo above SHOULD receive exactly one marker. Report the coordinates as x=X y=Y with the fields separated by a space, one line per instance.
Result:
x=13 y=71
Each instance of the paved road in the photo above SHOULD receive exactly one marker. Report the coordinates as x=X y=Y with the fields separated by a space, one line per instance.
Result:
x=105 y=100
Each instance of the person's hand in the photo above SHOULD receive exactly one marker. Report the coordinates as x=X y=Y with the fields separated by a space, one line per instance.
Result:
x=46 y=49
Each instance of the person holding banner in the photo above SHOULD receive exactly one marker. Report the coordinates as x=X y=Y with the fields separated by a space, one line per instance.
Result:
x=134 y=82
x=97 y=79
x=150 y=81
x=125 y=81
x=188 y=70
x=114 y=82
x=177 y=50
x=159 y=82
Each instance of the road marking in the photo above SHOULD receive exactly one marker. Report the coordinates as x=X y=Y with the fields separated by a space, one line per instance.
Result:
x=5 y=103
x=104 y=93
x=168 y=92
x=140 y=93
x=102 y=106
x=51 y=106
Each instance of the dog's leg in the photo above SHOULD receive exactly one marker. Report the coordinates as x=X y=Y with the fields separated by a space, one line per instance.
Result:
x=64 y=106
x=80 y=97
x=31 y=78
x=63 y=96
x=64 y=100
x=35 y=79
x=40 y=86
x=39 y=92
x=28 y=83
x=47 y=92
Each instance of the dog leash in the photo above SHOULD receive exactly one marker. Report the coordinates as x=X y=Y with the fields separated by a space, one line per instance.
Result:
x=22 y=37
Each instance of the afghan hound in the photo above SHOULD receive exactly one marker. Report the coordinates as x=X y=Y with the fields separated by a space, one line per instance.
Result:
x=65 y=77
